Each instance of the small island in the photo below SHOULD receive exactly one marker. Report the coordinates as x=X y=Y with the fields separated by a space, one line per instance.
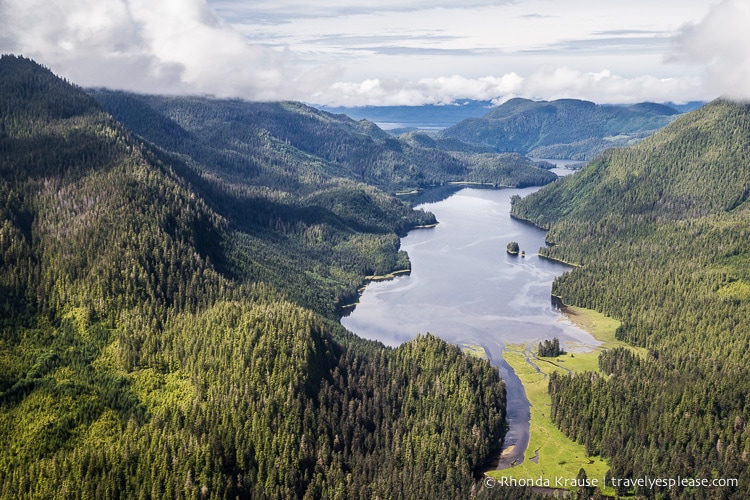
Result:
x=513 y=248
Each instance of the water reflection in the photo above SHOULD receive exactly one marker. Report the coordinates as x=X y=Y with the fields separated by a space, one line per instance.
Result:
x=465 y=288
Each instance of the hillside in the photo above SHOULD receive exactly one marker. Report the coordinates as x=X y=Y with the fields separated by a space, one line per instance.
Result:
x=659 y=231
x=427 y=116
x=566 y=128
x=295 y=147
x=167 y=331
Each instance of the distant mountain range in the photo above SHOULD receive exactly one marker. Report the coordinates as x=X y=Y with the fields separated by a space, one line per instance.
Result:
x=566 y=128
x=281 y=143
x=429 y=116
x=434 y=117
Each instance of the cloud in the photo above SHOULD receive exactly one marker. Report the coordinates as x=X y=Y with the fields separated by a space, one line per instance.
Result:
x=613 y=45
x=547 y=82
x=443 y=90
x=720 y=44
x=283 y=11
x=170 y=46
x=184 y=47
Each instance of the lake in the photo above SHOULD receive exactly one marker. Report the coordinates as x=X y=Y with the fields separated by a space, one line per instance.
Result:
x=466 y=289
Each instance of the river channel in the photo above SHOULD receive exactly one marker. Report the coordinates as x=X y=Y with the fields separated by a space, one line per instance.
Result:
x=466 y=289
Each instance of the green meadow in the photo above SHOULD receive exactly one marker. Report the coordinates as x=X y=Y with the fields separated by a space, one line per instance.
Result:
x=474 y=350
x=551 y=454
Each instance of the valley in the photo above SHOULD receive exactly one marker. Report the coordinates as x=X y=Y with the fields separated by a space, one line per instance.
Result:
x=169 y=326
x=173 y=272
x=464 y=289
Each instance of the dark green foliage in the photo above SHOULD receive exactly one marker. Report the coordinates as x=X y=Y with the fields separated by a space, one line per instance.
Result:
x=512 y=248
x=167 y=327
x=661 y=233
x=550 y=348
x=293 y=221
x=566 y=128
x=506 y=169
x=298 y=148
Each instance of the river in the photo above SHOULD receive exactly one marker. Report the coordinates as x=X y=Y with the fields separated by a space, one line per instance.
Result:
x=466 y=289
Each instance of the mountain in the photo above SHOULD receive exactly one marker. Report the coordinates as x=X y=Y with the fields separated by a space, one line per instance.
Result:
x=566 y=128
x=428 y=116
x=273 y=141
x=685 y=107
x=167 y=326
x=659 y=234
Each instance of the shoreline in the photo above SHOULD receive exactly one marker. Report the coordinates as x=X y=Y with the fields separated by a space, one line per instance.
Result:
x=385 y=277
x=550 y=453
x=374 y=279
x=559 y=261
x=483 y=184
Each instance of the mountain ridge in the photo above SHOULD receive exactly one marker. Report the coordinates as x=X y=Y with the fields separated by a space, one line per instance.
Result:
x=314 y=141
x=565 y=128
x=166 y=332
x=659 y=234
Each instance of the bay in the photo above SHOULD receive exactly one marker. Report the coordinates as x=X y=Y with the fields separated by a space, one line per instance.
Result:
x=466 y=289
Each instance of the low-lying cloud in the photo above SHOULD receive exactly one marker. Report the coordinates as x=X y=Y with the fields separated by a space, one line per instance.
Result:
x=169 y=46
x=184 y=47
x=548 y=82
x=720 y=44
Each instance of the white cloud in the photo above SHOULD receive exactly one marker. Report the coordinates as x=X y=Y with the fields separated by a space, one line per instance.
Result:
x=547 y=82
x=184 y=47
x=169 y=46
x=283 y=11
x=720 y=43
x=604 y=87
x=443 y=90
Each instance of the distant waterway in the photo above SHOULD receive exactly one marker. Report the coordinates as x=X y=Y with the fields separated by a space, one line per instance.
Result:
x=466 y=289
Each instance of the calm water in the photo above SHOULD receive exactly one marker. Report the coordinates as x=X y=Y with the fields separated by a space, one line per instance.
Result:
x=466 y=289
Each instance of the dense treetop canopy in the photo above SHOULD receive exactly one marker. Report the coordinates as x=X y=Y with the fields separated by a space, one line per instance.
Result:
x=660 y=234
x=168 y=315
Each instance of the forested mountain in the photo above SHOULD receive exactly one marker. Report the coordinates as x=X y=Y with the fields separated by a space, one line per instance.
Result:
x=660 y=234
x=566 y=128
x=167 y=325
x=416 y=117
x=295 y=147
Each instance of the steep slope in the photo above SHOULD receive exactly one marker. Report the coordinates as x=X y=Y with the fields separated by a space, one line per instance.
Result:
x=660 y=233
x=293 y=146
x=566 y=128
x=690 y=169
x=141 y=356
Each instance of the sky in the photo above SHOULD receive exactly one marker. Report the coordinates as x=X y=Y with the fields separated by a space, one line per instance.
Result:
x=399 y=52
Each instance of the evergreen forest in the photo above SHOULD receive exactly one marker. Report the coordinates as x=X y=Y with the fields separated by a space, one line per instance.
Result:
x=170 y=281
x=298 y=149
x=659 y=234
x=565 y=128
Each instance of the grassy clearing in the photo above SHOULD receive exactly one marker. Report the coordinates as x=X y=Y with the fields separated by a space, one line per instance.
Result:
x=389 y=276
x=601 y=327
x=551 y=454
x=474 y=350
